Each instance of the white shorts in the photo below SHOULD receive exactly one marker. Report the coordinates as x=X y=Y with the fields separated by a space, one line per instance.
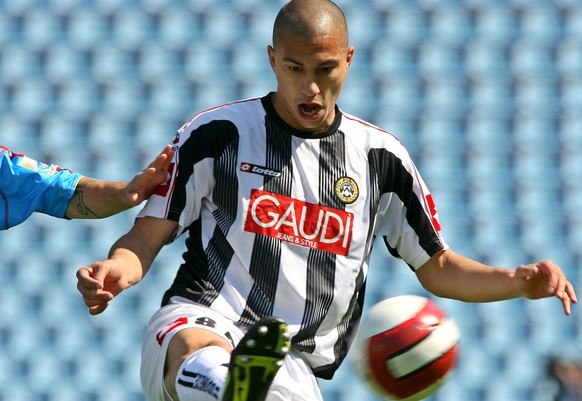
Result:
x=294 y=381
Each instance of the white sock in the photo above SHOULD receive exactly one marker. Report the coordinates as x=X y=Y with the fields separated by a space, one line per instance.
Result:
x=202 y=375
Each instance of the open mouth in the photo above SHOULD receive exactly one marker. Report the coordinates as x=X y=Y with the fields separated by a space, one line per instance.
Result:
x=309 y=110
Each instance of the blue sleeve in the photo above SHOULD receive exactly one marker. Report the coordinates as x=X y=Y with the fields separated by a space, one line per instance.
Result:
x=28 y=186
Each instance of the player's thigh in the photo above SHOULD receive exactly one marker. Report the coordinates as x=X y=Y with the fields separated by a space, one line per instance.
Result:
x=173 y=331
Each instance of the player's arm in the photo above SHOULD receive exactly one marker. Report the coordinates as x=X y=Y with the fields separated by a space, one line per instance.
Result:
x=94 y=199
x=450 y=275
x=128 y=262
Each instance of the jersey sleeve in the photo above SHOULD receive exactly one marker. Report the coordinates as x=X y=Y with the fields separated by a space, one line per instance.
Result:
x=407 y=215
x=28 y=186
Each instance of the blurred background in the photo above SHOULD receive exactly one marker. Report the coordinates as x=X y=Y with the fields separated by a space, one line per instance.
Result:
x=485 y=94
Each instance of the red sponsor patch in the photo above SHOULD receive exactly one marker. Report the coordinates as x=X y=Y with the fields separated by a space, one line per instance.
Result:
x=300 y=223
x=172 y=326
x=433 y=212
x=162 y=189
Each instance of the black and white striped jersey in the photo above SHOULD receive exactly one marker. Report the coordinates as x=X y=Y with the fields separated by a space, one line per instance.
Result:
x=281 y=222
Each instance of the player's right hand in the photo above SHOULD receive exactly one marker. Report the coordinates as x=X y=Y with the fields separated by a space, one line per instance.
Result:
x=99 y=283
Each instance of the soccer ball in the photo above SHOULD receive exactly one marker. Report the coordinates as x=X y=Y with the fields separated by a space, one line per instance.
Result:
x=406 y=348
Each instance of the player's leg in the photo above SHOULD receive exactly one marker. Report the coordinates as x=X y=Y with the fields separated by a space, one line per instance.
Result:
x=185 y=353
x=185 y=356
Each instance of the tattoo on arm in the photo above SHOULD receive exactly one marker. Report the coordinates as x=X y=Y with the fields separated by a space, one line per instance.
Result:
x=81 y=206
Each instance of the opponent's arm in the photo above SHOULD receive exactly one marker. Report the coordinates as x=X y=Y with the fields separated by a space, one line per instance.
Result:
x=450 y=275
x=129 y=261
x=95 y=199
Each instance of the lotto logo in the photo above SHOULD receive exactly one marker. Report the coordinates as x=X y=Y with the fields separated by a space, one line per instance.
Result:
x=300 y=223
x=253 y=168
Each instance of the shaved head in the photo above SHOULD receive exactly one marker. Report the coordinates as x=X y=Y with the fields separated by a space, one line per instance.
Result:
x=310 y=18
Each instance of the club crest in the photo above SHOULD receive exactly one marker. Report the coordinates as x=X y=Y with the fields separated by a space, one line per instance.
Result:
x=346 y=190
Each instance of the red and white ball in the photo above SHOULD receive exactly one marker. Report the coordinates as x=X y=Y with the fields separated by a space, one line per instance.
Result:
x=406 y=347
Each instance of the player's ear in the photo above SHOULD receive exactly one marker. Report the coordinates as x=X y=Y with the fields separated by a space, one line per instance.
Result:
x=271 y=54
x=350 y=56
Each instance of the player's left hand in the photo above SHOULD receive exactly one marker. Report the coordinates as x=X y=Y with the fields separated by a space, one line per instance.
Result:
x=545 y=279
x=143 y=185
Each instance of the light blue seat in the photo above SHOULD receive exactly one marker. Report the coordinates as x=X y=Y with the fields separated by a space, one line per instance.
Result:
x=451 y=25
x=489 y=170
x=525 y=364
x=108 y=136
x=476 y=367
x=251 y=61
x=87 y=29
x=203 y=62
x=531 y=60
x=537 y=97
x=177 y=27
x=571 y=27
x=171 y=100
x=63 y=62
x=159 y=64
x=200 y=6
x=358 y=97
x=404 y=23
x=492 y=96
x=446 y=97
x=392 y=60
x=259 y=33
x=486 y=63
x=131 y=28
x=213 y=93
x=17 y=135
x=109 y=63
x=123 y=99
x=541 y=22
x=495 y=22
x=571 y=93
x=222 y=26
x=438 y=60
x=40 y=29
x=398 y=98
x=33 y=98
x=365 y=26
x=18 y=64
x=8 y=28
x=153 y=131
x=571 y=126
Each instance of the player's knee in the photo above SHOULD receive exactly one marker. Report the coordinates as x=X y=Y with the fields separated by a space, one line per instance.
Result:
x=198 y=377
x=190 y=354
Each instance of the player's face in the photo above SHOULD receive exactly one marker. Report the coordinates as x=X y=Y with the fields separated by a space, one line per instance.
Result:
x=310 y=75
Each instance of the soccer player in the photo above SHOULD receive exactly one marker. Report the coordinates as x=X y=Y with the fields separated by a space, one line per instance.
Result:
x=282 y=197
x=28 y=186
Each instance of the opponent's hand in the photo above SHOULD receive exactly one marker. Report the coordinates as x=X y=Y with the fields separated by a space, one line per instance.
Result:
x=99 y=283
x=143 y=185
x=545 y=279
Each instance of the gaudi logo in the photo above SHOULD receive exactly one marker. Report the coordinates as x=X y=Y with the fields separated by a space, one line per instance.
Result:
x=346 y=190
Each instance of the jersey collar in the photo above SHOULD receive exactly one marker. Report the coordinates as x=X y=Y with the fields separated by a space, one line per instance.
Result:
x=272 y=113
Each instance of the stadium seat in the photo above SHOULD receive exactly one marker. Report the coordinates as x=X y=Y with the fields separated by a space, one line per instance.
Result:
x=404 y=24
x=495 y=22
x=87 y=28
x=541 y=22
